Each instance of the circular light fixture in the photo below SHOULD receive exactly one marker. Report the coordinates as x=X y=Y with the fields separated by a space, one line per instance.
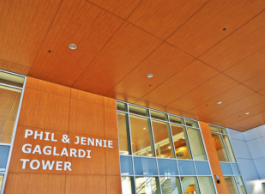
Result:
x=144 y=128
x=169 y=147
x=247 y=113
x=150 y=75
x=72 y=46
x=220 y=102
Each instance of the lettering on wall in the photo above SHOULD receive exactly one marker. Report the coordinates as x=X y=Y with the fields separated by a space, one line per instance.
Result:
x=52 y=150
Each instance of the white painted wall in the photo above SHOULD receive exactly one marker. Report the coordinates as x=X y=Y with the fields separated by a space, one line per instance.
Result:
x=249 y=150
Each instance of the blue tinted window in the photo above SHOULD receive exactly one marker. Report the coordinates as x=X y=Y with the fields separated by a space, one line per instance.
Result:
x=4 y=150
x=202 y=168
x=167 y=167
x=186 y=167
x=126 y=165
x=226 y=168
x=235 y=169
x=145 y=166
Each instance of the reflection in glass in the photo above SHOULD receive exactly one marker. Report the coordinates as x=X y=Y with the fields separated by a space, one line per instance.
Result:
x=162 y=142
x=145 y=166
x=126 y=165
x=170 y=185
x=214 y=128
x=139 y=111
x=192 y=123
x=230 y=185
x=123 y=134
x=196 y=144
x=141 y=133
x=206 y=185
x=223 y=130
x=158 y=115
x=11 y=79
x=147 y=185
x=127 y=185
x=181 y=143
x=121 y=106
x=219 y=147
x=176 y=120
x=1 y=181
x=167 y=167
x=186 y=167
x=240 y=185
x=9 y=101
x=229 y=149
x=190 y=185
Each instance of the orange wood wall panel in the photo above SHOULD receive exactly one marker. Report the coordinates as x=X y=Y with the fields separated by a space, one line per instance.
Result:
x=213 y=157
x=85 y=184
x=49 y=107
x=35 y=183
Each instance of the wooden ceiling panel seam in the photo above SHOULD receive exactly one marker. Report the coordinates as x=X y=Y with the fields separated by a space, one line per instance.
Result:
x=136 y=67
x=231 y=34
x=234 y=103
x=97 y=54
x=262 y=114
x=193 y=89
x=47 y=33
x=167 y=79
x=186 y=22
x=243 y=60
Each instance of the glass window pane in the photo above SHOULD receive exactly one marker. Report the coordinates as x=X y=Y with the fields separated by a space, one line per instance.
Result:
x=190 y=185
x=230 y=185
x=181 y=143
x=9 y=101
x=214 y=128
x=123 y=134
x=147 y=185
x=145 y=166
x=206 y=185
x=240 y=185
x=219 y=147
x=121 y=106
x=4 y=150
x=196 y=144
x=235 y=169
x=186 y=167
x=126 y=185
x=170 y=185
x=229 y=149
x=177 y=120
x=202 y=168
x=223 y=130
x=10 y=79
x=126 y=165
x=226 y=168
x=159 y=115
x=1 y=181
x=139 y=111
x=191 y=123
x=167 y=167
x=162 y=142
x=141 y=133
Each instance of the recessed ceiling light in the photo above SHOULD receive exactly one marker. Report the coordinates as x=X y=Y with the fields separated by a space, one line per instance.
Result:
x=150 y=75
x=144 y=128
x=169 y=147
x=72 y=46
x=220 y=102
x=247 y=113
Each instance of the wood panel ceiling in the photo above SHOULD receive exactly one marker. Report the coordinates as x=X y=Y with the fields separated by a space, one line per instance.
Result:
x=200 y=52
